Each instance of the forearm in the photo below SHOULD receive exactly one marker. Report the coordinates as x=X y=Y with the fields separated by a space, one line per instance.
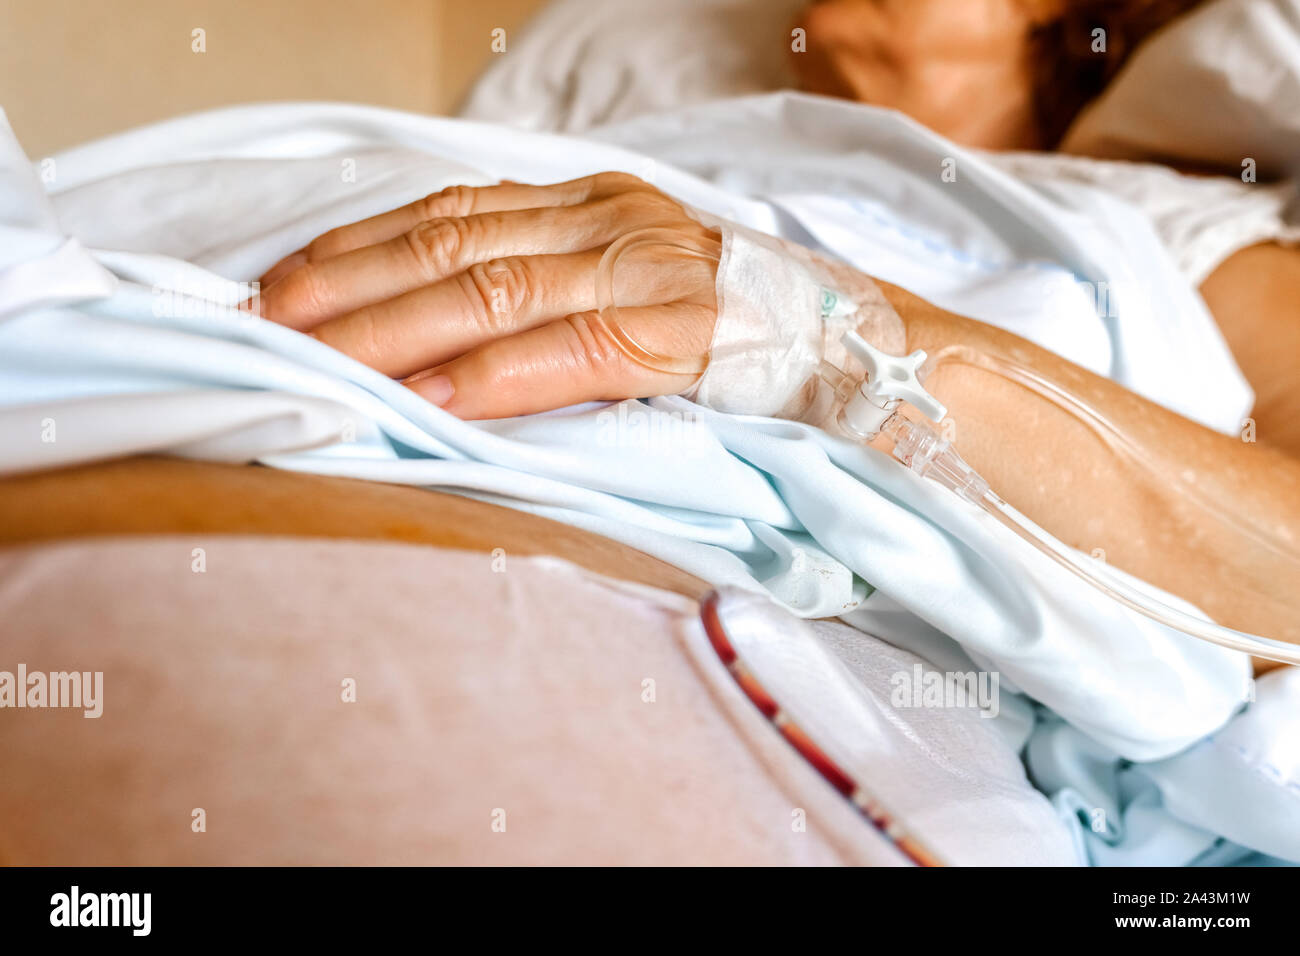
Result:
x=1063 y=475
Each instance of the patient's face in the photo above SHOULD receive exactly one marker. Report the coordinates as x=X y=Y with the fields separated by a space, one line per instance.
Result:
x=960 y=67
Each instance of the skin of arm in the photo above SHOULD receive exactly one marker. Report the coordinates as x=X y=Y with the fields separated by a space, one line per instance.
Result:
x=1254 y=296
x=1056 y=470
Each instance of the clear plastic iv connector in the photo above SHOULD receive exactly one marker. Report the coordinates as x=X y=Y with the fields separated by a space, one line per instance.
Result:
x=870 y=405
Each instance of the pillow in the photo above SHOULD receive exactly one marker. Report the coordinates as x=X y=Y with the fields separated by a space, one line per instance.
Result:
x=586 y=63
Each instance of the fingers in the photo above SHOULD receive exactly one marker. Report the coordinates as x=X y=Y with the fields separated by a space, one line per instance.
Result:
x=489 y=300
x=439 y=248
x=434 y=324
x=471 y=284
x=564 y=362
x=452 y=202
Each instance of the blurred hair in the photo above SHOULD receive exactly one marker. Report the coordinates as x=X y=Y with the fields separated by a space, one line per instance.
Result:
x=1068 y=74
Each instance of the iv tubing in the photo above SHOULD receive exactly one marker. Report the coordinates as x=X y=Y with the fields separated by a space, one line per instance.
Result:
x=1107 y=432
x=919 y=447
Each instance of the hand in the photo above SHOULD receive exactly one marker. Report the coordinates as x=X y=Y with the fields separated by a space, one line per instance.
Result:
x=484 y=301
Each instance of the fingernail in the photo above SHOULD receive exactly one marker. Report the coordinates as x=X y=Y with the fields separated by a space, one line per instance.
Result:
x=434 y=388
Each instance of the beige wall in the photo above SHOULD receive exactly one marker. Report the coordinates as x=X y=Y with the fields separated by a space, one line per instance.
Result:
x=467 y=27
x=74 y=69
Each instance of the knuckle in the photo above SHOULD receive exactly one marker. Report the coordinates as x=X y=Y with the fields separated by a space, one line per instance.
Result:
x=502 y=287
x=494 y=372
x=302 y=292
x=589 y=347
x=360 y=337
x=500 y=380
x=650 y=206
x=451 y=201
x=325 y=245
x=612 y=182
x=438 y=243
